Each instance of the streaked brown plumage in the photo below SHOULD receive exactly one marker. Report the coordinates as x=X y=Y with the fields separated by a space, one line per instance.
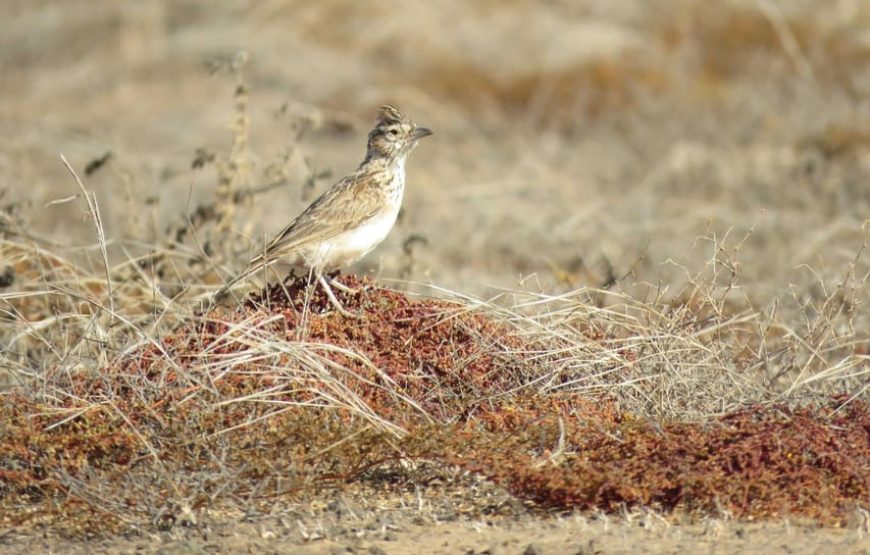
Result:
x=352 y=217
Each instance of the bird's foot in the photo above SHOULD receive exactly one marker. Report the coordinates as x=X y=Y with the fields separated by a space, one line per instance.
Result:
x=333 y=300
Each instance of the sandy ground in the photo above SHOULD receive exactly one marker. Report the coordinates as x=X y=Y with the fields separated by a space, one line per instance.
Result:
x=396 y=534
x=442 y=512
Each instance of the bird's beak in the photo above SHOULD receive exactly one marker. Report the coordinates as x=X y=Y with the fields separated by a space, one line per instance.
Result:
x=421 y=132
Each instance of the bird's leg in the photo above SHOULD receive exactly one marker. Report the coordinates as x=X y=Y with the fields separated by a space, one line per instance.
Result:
x=337 y=305
x=342 y=287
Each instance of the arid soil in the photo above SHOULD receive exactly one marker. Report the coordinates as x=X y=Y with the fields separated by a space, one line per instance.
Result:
x=352 y=530
x=456 y=517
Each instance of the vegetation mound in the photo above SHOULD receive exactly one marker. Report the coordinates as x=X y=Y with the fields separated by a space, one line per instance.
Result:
x=283 y=397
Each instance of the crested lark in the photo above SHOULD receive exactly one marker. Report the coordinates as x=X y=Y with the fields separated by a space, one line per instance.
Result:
x=354 y=215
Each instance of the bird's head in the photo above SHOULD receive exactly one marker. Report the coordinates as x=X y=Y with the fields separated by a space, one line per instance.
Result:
x=394 y=135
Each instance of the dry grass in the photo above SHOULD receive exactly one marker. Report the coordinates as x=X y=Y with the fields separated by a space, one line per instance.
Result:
x=282 y=398
x=669 y=347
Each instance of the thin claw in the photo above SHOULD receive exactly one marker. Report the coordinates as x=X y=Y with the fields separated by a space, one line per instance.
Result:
x=333 y=301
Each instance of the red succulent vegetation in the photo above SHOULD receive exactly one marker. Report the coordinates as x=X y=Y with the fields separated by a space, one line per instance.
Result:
x=283 y=396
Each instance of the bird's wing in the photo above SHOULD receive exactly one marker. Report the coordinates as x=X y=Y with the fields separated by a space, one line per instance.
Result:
x=346 y=204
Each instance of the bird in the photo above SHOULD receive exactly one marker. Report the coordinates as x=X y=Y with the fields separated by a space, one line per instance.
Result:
x=350 y=218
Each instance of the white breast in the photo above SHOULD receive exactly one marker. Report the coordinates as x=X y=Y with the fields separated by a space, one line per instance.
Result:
x=349 y=247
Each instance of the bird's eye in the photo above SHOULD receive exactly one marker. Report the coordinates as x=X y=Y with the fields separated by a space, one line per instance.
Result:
x=393 y=132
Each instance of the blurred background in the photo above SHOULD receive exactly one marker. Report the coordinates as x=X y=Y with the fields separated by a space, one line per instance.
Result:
x=577 y=143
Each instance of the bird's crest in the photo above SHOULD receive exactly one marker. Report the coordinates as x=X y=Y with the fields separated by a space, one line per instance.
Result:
x=388 y=115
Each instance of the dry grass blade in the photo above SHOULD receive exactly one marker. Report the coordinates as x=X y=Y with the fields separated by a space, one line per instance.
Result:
x=94 y=213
